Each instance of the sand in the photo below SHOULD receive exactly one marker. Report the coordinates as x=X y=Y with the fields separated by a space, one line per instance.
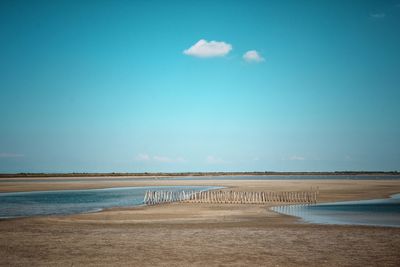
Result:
x=183 y=234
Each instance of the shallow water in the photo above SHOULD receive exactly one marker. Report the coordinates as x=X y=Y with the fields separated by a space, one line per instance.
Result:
x=63 y=202
x=377 y=212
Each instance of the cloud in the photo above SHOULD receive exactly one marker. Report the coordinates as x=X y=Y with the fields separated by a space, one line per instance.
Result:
x=11 y=155
x=378 y=15
x=208 y=49
x=253 y=56
x=168 y=159
x=157 y=158
x=162 y=159
x=348 y=158
x=296 y=158
x=214 y=160
x=142 y=157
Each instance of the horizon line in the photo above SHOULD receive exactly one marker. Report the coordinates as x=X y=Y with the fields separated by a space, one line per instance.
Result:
x=193 y=173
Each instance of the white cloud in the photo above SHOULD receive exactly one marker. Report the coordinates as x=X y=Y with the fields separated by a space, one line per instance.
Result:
x=296 y=158
x=168 y=159
x=348 y=158
x=157 y=158
x=378 y=15
x=214 y=160
x=253 y=56
x=11 y=155
x=162 y=159
x=208 y=49
x=142 y=157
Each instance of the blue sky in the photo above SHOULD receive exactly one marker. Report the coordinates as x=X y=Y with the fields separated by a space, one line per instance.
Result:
x=102 y=86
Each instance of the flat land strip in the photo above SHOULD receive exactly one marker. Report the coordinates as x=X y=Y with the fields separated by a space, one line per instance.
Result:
x=194 y=234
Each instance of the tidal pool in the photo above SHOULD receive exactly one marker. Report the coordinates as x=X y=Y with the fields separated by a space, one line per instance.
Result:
x=377 y=212
x=63 y=202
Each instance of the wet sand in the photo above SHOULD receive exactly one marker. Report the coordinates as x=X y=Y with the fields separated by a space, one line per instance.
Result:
x=183 y=234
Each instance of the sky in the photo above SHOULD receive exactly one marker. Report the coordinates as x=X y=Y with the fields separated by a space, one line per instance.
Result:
x=176 y=86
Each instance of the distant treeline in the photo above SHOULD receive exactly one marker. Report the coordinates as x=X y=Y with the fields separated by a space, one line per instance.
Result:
x=167 y=174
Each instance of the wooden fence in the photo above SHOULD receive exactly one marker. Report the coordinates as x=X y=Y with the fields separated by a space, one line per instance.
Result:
x=230 y=197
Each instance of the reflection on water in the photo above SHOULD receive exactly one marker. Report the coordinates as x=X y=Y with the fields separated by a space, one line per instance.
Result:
x=378 y=212
x=63 y=202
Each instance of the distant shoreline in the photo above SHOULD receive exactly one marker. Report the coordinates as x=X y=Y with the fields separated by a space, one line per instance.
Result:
x=164 y=174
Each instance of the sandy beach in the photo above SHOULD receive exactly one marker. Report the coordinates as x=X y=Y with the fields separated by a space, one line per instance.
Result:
x=183 y=234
